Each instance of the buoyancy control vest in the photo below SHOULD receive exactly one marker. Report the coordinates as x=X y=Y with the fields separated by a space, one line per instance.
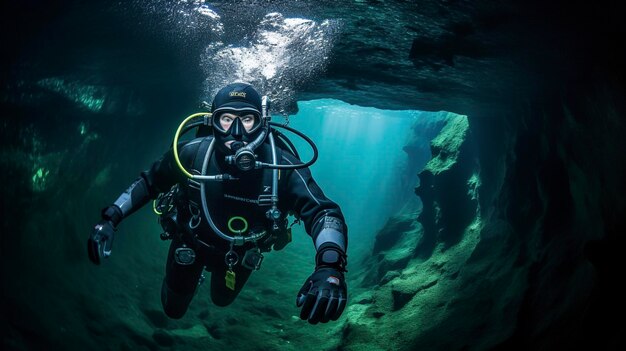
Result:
x=236 y=206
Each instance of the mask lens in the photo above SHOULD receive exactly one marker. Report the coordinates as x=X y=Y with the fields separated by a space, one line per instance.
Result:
x=249 y=120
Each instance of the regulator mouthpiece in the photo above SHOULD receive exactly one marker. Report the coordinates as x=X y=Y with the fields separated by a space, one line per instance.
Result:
x=244 y=159
x=236 y=145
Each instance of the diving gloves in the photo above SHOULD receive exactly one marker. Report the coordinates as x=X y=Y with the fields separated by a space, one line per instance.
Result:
x=100 y=241
x=324 y=295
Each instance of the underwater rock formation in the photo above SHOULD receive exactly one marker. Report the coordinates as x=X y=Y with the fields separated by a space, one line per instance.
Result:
x=517 y=261
x=449 y=205
x=423 y=266
x=543 y=260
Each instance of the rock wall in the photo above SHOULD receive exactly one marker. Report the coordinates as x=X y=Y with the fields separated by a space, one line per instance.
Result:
x=516 y=247
x=426 y=264
x=538 y=269
x=519 y=254
x=562 y=197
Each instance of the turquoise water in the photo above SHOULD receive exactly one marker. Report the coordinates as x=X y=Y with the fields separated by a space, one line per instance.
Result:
x=361 y=162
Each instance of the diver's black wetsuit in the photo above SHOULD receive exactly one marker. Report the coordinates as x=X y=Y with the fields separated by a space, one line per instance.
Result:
x=245 y=197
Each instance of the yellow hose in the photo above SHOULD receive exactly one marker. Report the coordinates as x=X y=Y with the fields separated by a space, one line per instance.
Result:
x=154 y=208
x=180 y=128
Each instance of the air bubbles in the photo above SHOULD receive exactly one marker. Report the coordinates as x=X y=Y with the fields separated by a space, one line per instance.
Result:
x=241 y=41
x=182 y=21
x=206 y=11
x=278 y=57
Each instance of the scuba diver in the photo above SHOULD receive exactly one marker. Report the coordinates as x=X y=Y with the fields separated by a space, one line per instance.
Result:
x=223 y=200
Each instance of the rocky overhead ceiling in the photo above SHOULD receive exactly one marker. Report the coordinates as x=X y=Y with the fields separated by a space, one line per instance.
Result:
x=471 y=57
x=466 y=56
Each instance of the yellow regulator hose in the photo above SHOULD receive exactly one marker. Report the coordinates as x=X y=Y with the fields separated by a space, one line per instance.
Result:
x=180 y=165
x=177 y=135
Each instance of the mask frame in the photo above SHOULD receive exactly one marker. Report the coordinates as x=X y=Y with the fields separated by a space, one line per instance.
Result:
x=239 y=112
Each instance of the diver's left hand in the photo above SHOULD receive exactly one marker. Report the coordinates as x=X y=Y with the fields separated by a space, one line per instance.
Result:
x=323 y=296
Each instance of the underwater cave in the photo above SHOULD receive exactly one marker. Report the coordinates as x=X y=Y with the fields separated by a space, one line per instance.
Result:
x=476 y=150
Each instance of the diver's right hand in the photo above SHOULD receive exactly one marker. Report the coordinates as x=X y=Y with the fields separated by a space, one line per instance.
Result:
x=100 y=241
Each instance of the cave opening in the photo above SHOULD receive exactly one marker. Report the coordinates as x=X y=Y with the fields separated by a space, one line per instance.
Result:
x=369 y=160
